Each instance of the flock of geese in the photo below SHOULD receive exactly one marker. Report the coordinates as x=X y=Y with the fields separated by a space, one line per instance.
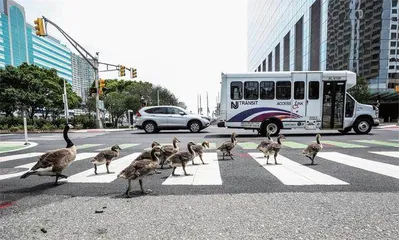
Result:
x=54 y=162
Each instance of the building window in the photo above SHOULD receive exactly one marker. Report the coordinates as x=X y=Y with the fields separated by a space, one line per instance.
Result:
x=314 y=88
x=283 y=90
x=264 y=65
x=251 y=90
x=299 y=90
x=267 y=90
x=315 y=26
x=392 y=51
x=286 y=63
x=298 y=45
x=393 y=35
x=393 y=26
x=394 y=3
x=394 y=11
x=277 y=58
x=259 y=68
x=270 y=62
x=395 y=19
x=236 y=90
x=391 y=67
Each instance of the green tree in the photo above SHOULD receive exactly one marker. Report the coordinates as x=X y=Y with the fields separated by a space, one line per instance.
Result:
x=361 y=90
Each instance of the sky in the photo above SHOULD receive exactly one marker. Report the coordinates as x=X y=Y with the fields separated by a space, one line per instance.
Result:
x=183 y=45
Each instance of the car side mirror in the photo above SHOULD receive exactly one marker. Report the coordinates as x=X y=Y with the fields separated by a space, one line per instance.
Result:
x=182 y=113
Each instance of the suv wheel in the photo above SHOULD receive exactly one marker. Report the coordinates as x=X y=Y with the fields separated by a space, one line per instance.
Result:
x=194 y=126
x=150 y=127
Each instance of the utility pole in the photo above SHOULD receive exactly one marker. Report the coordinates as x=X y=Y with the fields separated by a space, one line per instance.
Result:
x=65 y=98
x=157 y=97
x=96 y=79
x=200 y=104
x=207 y=105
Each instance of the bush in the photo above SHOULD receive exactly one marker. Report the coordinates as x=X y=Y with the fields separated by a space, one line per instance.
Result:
x=59 y=123
x=61 y=126
x=15 y=121
x=39 y=123
x=85 y=121
x=31 y=128
x=14 y=129
x=47 y=127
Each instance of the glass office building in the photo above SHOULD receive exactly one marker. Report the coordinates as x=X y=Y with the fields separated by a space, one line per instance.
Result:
x=19 y=43
x=311 y=35
x=83 y=76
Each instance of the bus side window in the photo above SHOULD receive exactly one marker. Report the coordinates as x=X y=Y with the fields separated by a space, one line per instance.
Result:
x=251 y=90
x=314 y=90
x=267 y=90
x=236 y=90
x=299 y=90
x=283 y=90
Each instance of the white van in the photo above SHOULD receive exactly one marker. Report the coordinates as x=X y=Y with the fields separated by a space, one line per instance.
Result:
x=270 y=101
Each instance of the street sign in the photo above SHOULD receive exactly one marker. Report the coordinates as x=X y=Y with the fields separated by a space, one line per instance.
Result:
x=101 y=105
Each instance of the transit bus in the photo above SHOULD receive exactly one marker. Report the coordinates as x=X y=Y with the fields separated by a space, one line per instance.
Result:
x=270 y=101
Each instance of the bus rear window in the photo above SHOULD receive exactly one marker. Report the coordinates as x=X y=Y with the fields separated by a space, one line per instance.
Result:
x=283 y=90
x=267 y=90
x=251 y=90
x=236 y=90
x=314 y=90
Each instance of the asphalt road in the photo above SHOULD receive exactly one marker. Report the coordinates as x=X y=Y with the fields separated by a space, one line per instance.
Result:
x=344 y=195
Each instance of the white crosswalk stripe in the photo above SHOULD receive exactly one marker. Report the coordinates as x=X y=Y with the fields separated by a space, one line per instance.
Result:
x=20 y=156
x=368 y=165
x=289 y=172
x=293 y=173
x=208 y=174
x=28 y=166
x=115 y=167
x=394 y=154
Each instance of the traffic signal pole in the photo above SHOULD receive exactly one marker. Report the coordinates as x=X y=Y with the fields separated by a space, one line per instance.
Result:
x=41 y=25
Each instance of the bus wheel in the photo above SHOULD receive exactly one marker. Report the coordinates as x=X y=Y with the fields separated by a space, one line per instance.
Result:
x=362 y=126
x=270 y=126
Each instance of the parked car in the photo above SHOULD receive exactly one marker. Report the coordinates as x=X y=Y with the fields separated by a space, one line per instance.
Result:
x=156 y=118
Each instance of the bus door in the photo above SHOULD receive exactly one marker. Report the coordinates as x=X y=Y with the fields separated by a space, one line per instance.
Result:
x=333 y=104
x=313 y=100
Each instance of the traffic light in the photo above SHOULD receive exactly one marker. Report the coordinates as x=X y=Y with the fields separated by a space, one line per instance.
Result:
x=133 y=73
x=102 y=86
x=40 y=28
x=121 y=71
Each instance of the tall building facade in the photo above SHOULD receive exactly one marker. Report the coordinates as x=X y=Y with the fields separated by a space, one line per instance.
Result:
x=312 y=35
x=19 y=43
x=83 y=76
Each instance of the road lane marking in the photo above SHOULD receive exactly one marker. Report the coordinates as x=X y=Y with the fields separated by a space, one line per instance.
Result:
x=20 y=156
x=247 y=145
x=295 y=174
x=123 y=146
x=208 y=174
x=394 y=154
x=377 y=142
x=293 y=144
x=343 y=144
x=361 y=163
x=89 y=145
x=79 y=156
x=115 y=168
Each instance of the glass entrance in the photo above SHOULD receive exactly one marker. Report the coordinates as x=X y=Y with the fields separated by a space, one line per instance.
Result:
x=333 y=104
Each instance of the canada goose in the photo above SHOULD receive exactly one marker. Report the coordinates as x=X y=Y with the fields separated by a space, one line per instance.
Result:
x=312 y=149
x=199 y=150
x=140 y=169
x=273 y=148
x=147 y=154
x=263 y=144
x=169 y=150
x=226 y=147
x=54 y=162
x=180 y=159
x=106 y=157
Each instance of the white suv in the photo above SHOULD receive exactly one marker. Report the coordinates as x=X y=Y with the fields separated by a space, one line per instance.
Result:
x=156 y=118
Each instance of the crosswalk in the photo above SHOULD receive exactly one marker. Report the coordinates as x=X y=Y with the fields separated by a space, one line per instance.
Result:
x=290 y=171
